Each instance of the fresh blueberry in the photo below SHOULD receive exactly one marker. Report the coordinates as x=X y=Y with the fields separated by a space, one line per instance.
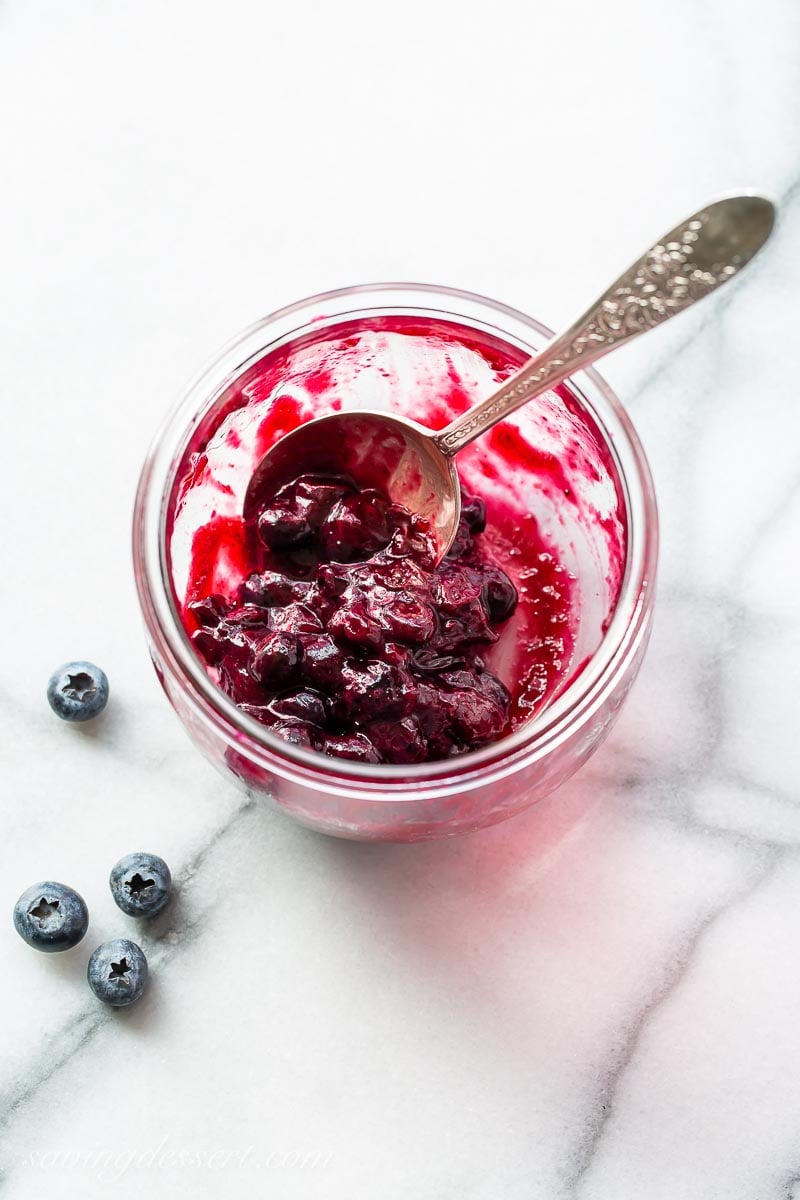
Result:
x=140 y=884
x=117 y=972
x=78 y=691
x=51 y=917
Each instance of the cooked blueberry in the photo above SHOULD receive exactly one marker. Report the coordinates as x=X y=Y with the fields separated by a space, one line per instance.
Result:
x=352 y=641
x=259 y=712
x=478 y=715
x=323 y=661
x=396 y=653
x=434 y=722
x=275 y=658
x=238 y=682
x=356 y=527
x=473 y=513
x=314 y=497
x=231 y=644
x=320 y=604
x=51 y=917
x=334 y=578
x=248 y=616
x=398 y=741
x=281 y=527
x=209 y=611
x=430 y=662
x=352 y=622
x=296 y=618
x=355 y=746
x=207 y=645
x=117 y=972
x=406 y=617
x=462 y=630
x=298 y=733
x=495 y=689
x=410 y=543
x=307 y=706
x=141 y=884
x=270 y=589
x=462 y=544
x=373 y=689
x=499 y=595
x=395 y=575
x=77 y=691
x=456 y=588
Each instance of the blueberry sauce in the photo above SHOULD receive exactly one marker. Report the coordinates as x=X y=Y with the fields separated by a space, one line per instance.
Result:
x=349 y=640
x=323 y=618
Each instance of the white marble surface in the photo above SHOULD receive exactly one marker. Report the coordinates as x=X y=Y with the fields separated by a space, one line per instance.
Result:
x=597 y=1001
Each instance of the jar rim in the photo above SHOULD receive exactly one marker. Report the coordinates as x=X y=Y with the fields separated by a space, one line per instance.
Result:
x=535 y=738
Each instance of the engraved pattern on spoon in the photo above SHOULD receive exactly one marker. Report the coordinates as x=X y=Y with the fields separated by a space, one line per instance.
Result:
x=662 y=283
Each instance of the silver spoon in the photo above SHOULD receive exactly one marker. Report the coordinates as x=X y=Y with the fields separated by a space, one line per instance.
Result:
x=414 y=465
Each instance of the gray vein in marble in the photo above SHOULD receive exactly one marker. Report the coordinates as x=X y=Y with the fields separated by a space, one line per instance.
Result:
x=61 y=1047
x=75 y=1035
x=788 y=197
x=669 y=797
x=606 y=1101
x=688 y=822
x=738 y=778
x=711 y=680
x=789 y=1188
x=669 y=792
x=670 y=801
x=768 y=524
x=708 y=681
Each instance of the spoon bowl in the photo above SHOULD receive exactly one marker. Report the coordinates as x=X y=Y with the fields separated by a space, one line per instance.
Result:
x=381 y=450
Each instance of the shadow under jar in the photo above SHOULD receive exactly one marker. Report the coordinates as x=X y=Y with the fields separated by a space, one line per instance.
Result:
x=565 y=478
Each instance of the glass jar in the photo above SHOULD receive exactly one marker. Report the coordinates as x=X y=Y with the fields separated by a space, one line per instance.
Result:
x=424 y=800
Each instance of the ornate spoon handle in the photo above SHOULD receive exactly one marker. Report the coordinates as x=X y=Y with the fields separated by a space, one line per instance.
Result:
x=688 y=263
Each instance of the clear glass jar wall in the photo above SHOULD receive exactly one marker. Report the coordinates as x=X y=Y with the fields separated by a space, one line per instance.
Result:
x=475 y=789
